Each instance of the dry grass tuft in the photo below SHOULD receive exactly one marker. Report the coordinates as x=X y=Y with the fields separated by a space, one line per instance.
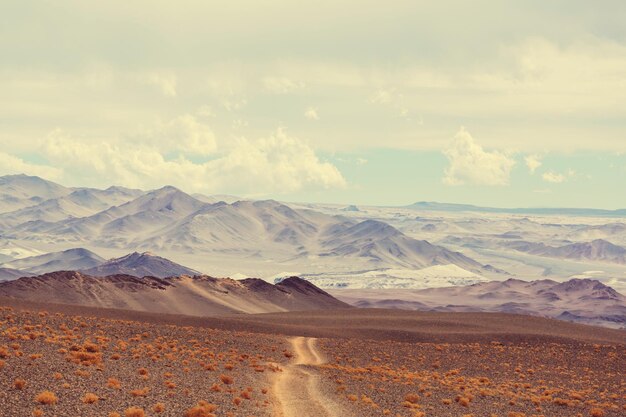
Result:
x=134 y=412
x=203 y=409
x=46 y=398
x=90 y=398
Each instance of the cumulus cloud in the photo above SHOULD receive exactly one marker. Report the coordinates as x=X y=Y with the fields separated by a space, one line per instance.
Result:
x=184 y=134
x=276 y=164
x=10 y=164
x=555 y=177
x=311 y=114
x=532 y=162
x=469 y=163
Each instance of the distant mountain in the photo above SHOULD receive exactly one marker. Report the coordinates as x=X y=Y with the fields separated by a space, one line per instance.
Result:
x=19 y=191
x=448 y=207
x=383 y=243
x=197 y=296
x=580 y=300
x=79 y=203
x=597 y=250
x=67 y=260
x=216 y=198
x=7 y=274
x=168 y=219
x=140 y=265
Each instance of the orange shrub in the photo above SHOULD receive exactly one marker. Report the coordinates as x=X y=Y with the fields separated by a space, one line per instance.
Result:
x=134 y=412
x=226 y=379
x=90 y=398
x=19 y=384
x=46 y=397
x=412 y=398
x=203 y=409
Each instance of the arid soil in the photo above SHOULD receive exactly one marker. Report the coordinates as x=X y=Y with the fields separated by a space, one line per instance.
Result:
x=97 y=362
x=61 y=365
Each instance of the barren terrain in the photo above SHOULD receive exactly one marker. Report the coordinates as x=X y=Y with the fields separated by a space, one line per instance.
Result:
x=354 y=362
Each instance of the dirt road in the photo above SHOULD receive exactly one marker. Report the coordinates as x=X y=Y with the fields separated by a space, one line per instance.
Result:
x=298 y=387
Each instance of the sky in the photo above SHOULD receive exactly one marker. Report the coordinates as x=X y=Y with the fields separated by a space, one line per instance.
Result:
x=498 y=103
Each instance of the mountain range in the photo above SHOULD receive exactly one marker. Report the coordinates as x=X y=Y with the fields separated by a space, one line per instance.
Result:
x=580 y=300
x=167 y=219
x=137 y=264
x=188 y=295
x=451 y=207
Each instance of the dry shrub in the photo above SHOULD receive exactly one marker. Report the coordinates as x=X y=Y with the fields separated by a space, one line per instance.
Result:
x=140 y=392
x=37 y=412
x=90 y=398
x=226 y=379
x=134 y=412
x=19 y=384
x=46 y=398
x=203 y=409
x=158 y=408
x=597 y=412
x=114 y=383
x=412 y=398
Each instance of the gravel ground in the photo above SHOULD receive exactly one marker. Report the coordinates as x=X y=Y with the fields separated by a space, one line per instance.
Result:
x=128 y=364
x=478 y=379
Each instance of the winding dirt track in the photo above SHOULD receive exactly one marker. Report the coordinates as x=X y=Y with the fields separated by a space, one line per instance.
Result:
x=297 y=388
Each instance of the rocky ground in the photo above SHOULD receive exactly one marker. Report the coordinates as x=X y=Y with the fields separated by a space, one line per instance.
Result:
x=478 y=379
x=59 y=365
x=66 y=361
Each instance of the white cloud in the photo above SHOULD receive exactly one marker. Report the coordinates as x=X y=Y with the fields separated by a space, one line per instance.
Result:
x=10 y=164
x=557 y=178
x=184 y=134
x=276 y=164
x=361 y=161
x=532 y=162
x=311 y=114
x=281 y=85
x=469 y=163
x=165 y=82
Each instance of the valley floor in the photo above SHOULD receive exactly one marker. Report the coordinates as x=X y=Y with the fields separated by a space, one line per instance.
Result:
x=68 y=361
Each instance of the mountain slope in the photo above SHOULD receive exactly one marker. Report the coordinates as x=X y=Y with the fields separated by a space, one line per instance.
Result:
x=7 y=274
x=383 y=243
x=140 y=265
x=19 y=191
x=597 y=250
x=581 y=300
x=71 y=259
x=197 y=296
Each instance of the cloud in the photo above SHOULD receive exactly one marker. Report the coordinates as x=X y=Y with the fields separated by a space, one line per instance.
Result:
x=10 y=164
x=183 y=134
x=392 y=99
x=165 y=82
x=550 y=176
x=532 y=162
x=278 y=163
x=311 y=114
x=469 y=163
x=281 y=85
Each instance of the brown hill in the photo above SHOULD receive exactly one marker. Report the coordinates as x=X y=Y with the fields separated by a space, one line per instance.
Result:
x=194 y=296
